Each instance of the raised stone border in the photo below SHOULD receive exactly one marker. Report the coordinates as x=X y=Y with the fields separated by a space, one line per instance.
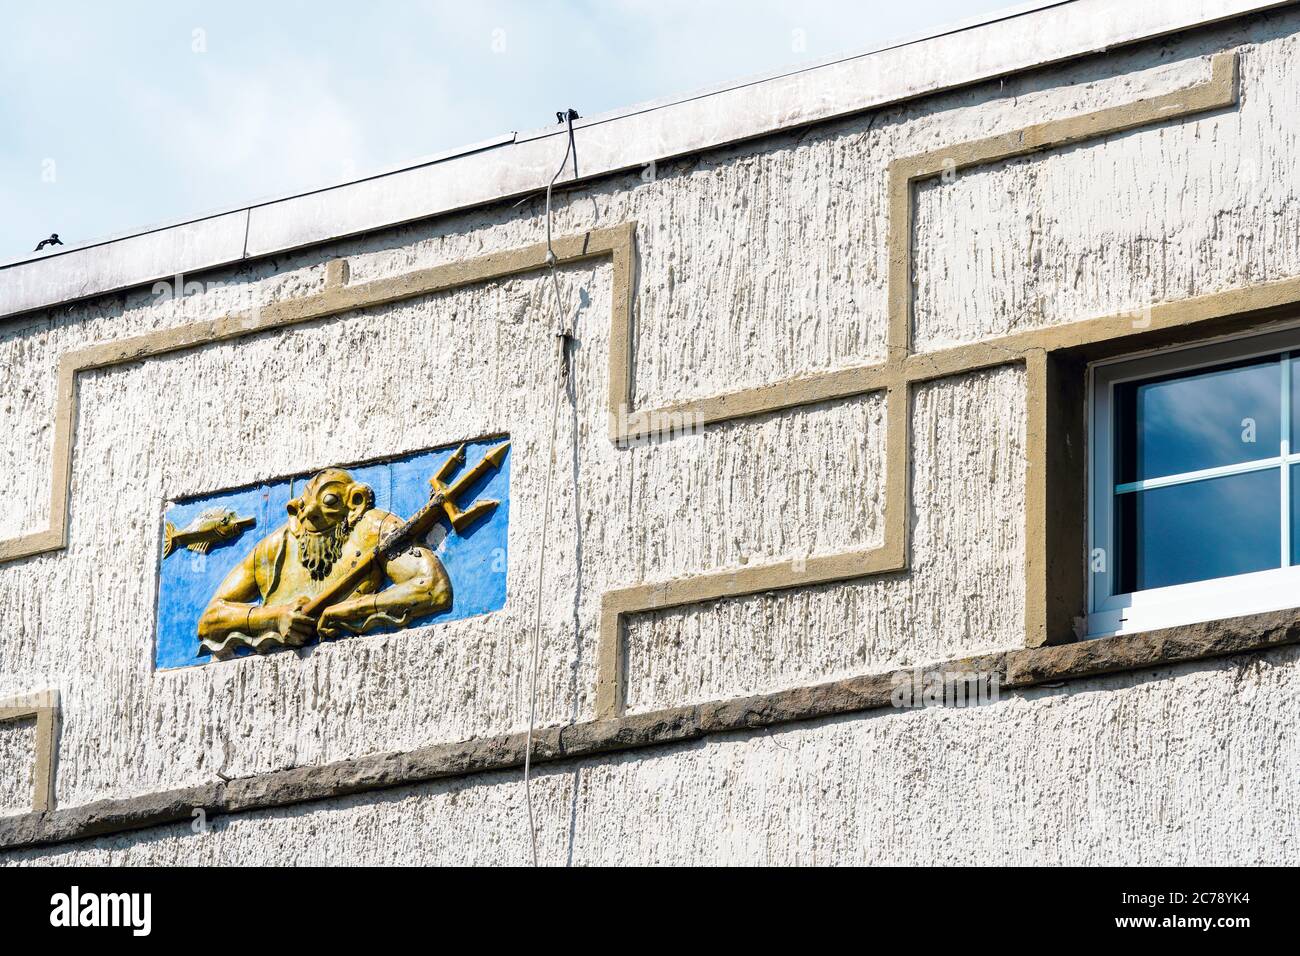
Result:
x=338 y=296
x=43 y=708
x=1015 y=669
x=1054 y=595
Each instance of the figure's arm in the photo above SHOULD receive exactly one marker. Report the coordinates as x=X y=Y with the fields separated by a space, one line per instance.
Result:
x=234 y=608
x=420 y=587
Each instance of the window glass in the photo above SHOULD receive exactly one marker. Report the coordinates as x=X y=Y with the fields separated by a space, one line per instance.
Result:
x=1199 y=530
x=1295 y=402
x=1295 y=515
x=1206 y=418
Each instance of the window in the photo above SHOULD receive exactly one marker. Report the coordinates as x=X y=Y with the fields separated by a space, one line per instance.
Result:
x=1193 y=515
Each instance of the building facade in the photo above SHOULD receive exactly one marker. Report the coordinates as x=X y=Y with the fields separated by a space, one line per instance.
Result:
x=911 y=483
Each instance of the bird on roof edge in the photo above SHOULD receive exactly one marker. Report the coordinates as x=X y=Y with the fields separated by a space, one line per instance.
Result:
x=54 y=240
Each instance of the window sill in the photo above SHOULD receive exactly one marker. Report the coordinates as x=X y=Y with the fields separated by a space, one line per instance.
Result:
x=1203 y=601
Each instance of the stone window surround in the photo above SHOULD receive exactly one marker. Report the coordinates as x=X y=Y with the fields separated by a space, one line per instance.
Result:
x=1111 y=613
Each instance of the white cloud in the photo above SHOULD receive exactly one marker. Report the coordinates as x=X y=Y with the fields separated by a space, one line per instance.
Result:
x=291 y=96
x=251 y=133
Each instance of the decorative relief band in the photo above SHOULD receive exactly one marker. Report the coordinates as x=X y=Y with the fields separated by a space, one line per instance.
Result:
x=375 y=547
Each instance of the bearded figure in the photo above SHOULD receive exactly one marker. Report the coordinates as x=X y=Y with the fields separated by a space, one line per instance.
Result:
x=332 y=525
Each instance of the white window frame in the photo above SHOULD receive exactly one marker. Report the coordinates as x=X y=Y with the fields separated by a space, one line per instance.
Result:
x=1217 y=598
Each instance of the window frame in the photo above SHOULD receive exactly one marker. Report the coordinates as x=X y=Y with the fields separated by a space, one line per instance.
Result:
x=1110 y=613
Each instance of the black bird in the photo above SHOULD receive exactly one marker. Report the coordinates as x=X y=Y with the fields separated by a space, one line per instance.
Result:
x=54 y=240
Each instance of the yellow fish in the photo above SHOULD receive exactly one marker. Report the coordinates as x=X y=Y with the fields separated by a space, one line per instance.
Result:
x=213 y=525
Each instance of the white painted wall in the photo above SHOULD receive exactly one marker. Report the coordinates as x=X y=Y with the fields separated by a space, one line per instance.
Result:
x=1190 y=765
x=1109 y=226
x=756 y=263
x=18 y=760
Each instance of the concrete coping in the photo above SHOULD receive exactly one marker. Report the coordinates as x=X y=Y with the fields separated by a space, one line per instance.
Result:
x=1014 y=670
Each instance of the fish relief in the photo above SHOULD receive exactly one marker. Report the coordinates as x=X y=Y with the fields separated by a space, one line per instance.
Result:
x=214 y=526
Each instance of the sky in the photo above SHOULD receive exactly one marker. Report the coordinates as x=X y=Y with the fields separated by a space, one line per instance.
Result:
x=118 y=116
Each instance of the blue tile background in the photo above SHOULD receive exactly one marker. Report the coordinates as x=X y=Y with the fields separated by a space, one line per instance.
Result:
x=476 y=563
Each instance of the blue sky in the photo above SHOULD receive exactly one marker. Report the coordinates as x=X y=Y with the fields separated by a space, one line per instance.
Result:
x=116 y=116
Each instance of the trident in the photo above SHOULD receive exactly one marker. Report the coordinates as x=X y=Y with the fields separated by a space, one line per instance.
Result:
x=462 y=518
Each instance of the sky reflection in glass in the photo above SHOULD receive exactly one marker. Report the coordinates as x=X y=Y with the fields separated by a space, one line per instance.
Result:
x=1204 y=419
x=1199 y=530
x=1295 y=515
x=1295 y=402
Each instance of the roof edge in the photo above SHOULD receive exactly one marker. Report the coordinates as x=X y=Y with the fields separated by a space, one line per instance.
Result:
x=1020 y=38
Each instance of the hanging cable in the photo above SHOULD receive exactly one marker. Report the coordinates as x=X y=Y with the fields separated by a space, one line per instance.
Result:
x=562 y=336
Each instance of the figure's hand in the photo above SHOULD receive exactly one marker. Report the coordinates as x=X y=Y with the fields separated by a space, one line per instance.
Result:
x=294 y=627
x=336 y=621
x=354 y=616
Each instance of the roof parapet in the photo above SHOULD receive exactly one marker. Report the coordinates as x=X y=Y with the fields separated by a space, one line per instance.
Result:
x=1021 y=38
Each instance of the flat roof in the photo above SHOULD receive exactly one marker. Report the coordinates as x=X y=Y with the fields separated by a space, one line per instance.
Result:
x=1019 y=38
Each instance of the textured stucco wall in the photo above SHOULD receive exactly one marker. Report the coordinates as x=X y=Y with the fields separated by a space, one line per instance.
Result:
x=17 y=763
x=754 y=263
x=968 y=447
x=1110 y=226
